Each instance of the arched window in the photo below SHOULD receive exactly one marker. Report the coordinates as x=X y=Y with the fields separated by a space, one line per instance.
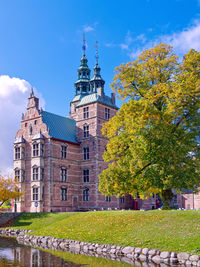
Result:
x=86 y=194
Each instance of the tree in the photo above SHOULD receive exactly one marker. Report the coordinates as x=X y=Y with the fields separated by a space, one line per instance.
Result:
x=153 y=139
x=8 y=190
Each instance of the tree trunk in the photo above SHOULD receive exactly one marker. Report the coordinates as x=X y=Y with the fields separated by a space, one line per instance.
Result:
x=166 y=197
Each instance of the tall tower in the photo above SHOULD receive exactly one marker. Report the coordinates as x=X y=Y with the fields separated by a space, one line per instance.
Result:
x=82 y=85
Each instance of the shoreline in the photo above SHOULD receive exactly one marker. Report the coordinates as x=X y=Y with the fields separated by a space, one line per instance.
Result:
x=114 y=252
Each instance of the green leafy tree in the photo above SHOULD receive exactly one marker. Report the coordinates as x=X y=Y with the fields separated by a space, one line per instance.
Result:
x=153 y=140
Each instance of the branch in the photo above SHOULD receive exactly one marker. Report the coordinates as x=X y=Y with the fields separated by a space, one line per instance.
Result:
x=147 y=165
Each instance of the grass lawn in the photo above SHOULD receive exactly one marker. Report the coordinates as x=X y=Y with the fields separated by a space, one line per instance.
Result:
x=164 y=230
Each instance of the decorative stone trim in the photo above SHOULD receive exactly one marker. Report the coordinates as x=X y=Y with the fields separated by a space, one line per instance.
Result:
x=126 y=254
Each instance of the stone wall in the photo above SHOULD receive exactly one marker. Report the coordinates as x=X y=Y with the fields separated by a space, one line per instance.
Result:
x=130 y=255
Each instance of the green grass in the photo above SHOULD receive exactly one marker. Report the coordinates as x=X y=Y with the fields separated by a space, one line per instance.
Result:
x=164 y=230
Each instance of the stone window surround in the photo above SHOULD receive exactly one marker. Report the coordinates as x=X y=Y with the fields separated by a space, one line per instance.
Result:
x=35 y=193
x=37 y=173
x=37 y=149
x=19 y=152
x=19 y=175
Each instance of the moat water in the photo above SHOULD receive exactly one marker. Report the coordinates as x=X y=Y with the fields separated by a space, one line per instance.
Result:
x=14 y=254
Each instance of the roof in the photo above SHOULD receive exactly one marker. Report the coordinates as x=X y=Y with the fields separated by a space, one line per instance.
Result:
x=60 y=127
x=94 y=97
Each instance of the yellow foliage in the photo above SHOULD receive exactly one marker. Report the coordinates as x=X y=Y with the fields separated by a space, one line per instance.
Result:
x=9 y=189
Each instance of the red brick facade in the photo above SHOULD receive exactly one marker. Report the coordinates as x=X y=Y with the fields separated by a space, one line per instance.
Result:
x=61 y=173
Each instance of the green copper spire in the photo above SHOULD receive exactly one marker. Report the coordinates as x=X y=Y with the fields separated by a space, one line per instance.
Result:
x=96 y=80
x=82 y=85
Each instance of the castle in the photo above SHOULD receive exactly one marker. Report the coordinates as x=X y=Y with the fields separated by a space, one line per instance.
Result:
x=57 y=159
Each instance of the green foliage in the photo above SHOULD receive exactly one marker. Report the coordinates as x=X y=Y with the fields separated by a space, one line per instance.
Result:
x=153 y=139
x=173 y=230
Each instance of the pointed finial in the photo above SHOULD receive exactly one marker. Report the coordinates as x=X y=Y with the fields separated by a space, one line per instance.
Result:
x=97 y=53
x=31 y=93
x=84 y=46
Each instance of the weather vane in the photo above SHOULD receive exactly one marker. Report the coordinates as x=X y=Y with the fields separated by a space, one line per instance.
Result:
x=97 y=53
x=84 y=47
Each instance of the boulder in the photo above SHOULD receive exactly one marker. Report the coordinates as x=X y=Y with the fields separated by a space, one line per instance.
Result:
x=156 y=259
x=183 y=256
x=165 y=254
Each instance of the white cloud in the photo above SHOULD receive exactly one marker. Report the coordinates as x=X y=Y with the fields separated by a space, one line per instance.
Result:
x=124 y=46
x=141 y=38
x=181 y=41
x=13 y=99
x=186 y=39
x=87 y=28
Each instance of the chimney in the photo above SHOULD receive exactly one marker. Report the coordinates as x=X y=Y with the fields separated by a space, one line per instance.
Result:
x=113 y=98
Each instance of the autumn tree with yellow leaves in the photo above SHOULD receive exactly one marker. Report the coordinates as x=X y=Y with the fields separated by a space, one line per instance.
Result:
x=153 y=140
x=8 y=189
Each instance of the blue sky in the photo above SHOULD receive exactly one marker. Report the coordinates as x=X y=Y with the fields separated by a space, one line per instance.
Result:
x=41 y=43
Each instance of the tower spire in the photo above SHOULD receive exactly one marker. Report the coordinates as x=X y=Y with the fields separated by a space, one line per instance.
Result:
x=84 y=46
x=97 y=53
x=97 y=81
x=82 y=85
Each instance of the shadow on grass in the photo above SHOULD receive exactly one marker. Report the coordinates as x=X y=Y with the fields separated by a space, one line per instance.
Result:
x=24 y=219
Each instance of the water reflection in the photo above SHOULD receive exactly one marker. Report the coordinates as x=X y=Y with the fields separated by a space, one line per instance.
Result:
x=14 y=254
